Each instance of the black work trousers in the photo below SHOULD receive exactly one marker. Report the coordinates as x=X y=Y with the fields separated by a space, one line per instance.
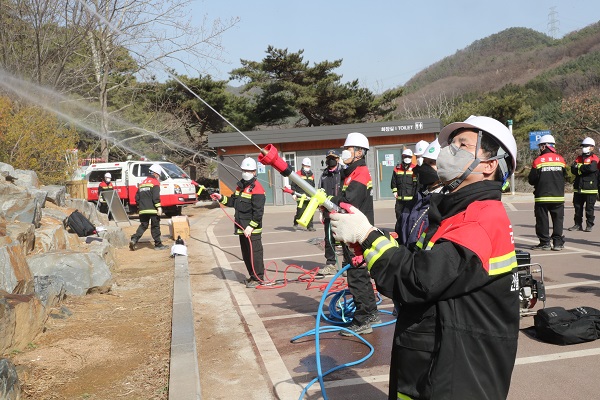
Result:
x=542 y=225
x=252 y=253
x=329 y=243
x=400 y=204
x=361 y=289
x=584 y=202
x=300 y=211
x=145 y=220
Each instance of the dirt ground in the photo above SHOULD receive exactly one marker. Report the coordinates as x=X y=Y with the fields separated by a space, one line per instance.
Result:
x=113 y=345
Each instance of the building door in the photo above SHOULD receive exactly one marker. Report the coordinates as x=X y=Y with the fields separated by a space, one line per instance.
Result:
x=290 y=159
x=386 y=161
x=264 y=174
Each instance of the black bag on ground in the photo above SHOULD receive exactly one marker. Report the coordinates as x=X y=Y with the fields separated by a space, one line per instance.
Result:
x=80 y=224
x=559 y=326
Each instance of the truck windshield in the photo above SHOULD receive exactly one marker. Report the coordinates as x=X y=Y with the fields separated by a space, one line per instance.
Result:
x=174 y=171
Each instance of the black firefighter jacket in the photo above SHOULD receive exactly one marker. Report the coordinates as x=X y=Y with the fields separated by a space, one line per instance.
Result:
x=547 y=176
x=249 y=204
x=357 y=188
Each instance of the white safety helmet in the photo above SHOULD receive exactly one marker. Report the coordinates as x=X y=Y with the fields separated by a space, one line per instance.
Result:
x=107 y=175
x=588 y=141
x=432 y=151
x=495 y=128
x=420 y=147
x=155 y=168
x=248 y=164
x=356 y=139
x=547 y=139
x=306 y=161
x=407 y=152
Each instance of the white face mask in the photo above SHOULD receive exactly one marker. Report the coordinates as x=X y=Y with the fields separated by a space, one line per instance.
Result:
x=420 y=161
x=306 y=169
x=247 y=176
x=452 y=162
x=107 y=180
x=407 y=160
x=346 y=155
x=585 y=150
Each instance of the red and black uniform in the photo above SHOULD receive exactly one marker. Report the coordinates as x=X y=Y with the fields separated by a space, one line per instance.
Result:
x=585 y=188
x=404 y=184
x=302 y=201
x=547 y=176
x=104 y=187
x=357 y=189
x=148 y=201
x=457 y=299
x=249 y=204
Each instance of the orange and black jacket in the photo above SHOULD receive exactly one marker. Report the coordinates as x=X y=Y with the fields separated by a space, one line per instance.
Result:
x=148 y=196
x=357 y=188
x=547 y=176
x=104 y=187
x=457 y=298
x=249 y=204
x=404 y=182
x=585 y=169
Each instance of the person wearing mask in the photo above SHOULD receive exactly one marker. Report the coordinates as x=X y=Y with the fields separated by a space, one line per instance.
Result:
x=104 y=187
x=413 y=220
x=547 y=176
x=305 y=173
x=248 y=200
x=420 y=148
x=404 y=181
x=458 y=304
x=331 y=183
x=585 y=187
x=357 y=190
x=148 y=201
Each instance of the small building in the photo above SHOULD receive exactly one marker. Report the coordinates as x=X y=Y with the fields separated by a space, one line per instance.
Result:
x=387 y=140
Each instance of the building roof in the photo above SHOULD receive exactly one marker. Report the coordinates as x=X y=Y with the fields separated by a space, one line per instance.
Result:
x=328 y=132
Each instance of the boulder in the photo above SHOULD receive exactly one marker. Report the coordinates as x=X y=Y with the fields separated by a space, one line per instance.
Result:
x=50 y=290
x=80 y=271
x=21 y=320
x=23 y=233
x=10 y=389
x=26 y=179
x=15 y=275
x=56 y=194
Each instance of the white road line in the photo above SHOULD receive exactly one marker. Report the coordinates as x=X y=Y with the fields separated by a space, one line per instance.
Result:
x=572 y=284
x=511 y=206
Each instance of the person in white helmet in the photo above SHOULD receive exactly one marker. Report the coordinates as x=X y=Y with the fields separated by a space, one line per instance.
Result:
x=458 y=305
x=301 y=200
x=547 y=176
x=104 y=187
x=585 y=187
x=248 y=200
x=420 y=148
x=357 y=189
x=148 y=202
x=404 y=181
x=414 y=220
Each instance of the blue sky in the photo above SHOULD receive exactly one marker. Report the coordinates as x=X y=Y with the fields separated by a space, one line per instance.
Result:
x=383 y=43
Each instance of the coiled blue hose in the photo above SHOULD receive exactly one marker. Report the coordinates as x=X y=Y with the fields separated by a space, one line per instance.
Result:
x=346 y=307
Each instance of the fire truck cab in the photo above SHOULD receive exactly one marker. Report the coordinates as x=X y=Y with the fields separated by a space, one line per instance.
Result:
x=176 y=187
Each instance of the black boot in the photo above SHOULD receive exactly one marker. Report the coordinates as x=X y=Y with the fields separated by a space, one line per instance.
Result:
x=576 y=227
x=132 y=243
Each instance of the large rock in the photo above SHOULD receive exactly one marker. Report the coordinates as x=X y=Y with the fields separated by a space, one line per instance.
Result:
x=15 y=276
x=50 y=290
x=23 y=233
x=21 y=320
x=16 y=205
x=10 y=389
x=51 y=238
x=6 y=169
x=80 y=271
x=56 y=194
x=26 y=179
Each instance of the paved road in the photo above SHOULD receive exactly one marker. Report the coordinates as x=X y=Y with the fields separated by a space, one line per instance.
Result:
x=271 y=317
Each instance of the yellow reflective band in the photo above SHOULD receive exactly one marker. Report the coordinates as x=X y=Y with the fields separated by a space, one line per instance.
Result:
x=394 y=190
x=404 y=397
x=344 y=188
x=224 y=200
x=503 y=264
x=404 y=198
x=246 y=195
x=254 y=232
x=419 y=243
x=369 y=185
x=591 y=191
x=253 y=224
x=551 y=164
x=379 y=246
x=550 y=199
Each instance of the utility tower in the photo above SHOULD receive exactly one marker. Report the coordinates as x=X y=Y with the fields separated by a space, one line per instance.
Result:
x=553 y=23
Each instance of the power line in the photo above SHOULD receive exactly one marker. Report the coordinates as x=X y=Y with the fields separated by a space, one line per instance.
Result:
x=553 y=23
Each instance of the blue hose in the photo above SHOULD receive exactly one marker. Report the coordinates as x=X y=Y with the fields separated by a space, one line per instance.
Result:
x=347 y=310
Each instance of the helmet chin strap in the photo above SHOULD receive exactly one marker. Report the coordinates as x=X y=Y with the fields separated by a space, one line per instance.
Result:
x=450 y=186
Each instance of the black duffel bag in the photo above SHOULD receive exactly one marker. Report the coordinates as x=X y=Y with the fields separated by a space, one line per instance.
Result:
x=559 y=326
